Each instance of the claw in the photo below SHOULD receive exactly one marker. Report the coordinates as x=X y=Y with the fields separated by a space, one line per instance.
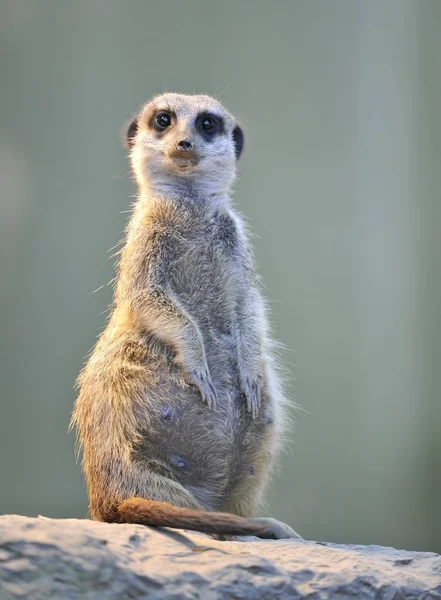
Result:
x=202 y=380
x=251 y=389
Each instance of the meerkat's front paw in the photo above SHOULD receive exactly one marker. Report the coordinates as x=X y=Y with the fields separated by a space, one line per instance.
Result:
x=200 y=377
x=252 y=391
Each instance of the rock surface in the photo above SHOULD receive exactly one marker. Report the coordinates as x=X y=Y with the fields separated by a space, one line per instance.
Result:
x=68 y=559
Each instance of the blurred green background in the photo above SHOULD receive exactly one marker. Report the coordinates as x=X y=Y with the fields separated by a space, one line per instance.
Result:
x=340 y=181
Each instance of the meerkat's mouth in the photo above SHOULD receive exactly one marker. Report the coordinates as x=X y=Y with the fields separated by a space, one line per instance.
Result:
x=184 y=160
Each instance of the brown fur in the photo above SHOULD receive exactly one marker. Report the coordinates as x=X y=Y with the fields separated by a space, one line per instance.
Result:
x=180 y=412
x=151 y=512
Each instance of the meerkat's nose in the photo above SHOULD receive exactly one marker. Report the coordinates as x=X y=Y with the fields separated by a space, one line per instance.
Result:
x=185 y=144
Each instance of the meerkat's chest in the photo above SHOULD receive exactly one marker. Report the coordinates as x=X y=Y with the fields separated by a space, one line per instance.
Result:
x=204 y=274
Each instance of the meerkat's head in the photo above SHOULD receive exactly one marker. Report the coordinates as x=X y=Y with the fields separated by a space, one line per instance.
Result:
x=178 y=140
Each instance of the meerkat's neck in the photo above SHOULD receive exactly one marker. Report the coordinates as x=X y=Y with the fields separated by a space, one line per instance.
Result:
x=207 y=199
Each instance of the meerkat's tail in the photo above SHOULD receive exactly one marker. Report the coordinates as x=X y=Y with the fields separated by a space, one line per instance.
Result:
x=164 y=514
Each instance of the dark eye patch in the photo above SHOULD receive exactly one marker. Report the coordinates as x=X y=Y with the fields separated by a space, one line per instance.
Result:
x=155 y=120
x=209 y=125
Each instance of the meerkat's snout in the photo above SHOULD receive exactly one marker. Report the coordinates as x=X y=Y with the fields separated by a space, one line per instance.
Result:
x=185 y=145
x=183 y=153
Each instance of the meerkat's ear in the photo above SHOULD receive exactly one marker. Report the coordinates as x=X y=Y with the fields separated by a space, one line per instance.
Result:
x=238 y=140
x=132 y=130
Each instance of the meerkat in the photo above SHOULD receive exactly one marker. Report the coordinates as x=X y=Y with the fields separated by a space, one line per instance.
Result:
x=180 y=414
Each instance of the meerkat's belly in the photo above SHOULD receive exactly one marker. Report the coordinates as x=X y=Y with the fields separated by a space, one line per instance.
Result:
x=207 y=451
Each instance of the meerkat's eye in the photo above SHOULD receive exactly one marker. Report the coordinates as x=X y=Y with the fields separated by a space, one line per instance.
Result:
x=162 y=120
x=208 y=123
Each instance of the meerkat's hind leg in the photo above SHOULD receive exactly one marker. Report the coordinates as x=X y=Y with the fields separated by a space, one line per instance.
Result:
x=164 y=502
x=244 y=501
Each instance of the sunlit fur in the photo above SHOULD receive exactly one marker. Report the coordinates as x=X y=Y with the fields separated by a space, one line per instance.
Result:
x=180 y=400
